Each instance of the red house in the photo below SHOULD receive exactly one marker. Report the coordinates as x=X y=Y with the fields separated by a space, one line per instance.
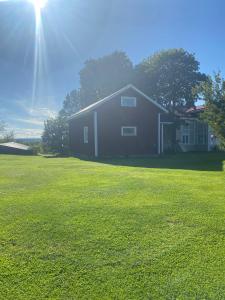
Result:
x=127 y=122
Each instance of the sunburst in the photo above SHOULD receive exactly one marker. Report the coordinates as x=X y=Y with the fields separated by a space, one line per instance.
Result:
x=39 y=4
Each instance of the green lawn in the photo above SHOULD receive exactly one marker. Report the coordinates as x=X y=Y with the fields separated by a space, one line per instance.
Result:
x=114 y=229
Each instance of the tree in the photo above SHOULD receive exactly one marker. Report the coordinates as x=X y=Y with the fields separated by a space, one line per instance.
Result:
x=169 y=77
x=5 y=135
x=213 y=92
x=55 y=137
x=101 y=77
x=2 y=128
x=9 y=136
x=71 y=104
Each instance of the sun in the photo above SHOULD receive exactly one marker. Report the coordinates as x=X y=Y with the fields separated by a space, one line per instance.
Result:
x=38 y=4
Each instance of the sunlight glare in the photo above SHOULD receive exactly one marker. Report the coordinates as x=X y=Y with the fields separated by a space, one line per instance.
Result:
x=38 y=4
x=40 y=63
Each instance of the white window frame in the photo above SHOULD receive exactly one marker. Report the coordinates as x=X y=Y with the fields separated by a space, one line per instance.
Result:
x=127 y=98
x=125 y=127
x=85 y=134
x=186 y=133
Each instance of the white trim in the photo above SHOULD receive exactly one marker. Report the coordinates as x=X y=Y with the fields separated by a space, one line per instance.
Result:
x=159 y=135
x=149 y=99
x=100 y=102
x=124 y=98
x=85 y=134
x=133 y=127
x=96 y=133
x=162 y=138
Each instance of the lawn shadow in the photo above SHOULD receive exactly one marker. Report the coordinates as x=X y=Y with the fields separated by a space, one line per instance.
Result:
x=184 y=161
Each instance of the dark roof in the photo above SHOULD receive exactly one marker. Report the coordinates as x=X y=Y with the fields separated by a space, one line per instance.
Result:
x=100 y=102
x=196 y=109
x=16 y=146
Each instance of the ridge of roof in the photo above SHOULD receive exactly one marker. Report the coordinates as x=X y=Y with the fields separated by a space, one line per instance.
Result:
x=16 y=146
x=100 y=102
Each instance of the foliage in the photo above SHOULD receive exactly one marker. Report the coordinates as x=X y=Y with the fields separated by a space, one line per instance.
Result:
x=71 y=104
x=73 y=229
x=9 y=136
x=213 y=92
x=55 y=136
x=169 y=77
x=102 y=77
x=37 y=147
x=56 y=131
x=5 y=135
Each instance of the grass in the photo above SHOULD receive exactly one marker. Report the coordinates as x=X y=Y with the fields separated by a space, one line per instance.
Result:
x=113 y=229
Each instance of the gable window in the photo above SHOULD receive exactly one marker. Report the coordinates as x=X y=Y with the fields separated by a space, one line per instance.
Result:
x=129 y=131
x=128 y=101
x=85 y=135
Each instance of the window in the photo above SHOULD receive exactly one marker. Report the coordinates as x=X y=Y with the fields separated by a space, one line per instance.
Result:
x=129 y=131
x=128 y=101
x=85 y=135
x=185 y=133
x=185 y=139
x=202 y=133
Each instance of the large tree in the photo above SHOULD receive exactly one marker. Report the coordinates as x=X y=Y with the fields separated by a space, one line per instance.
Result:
x=71 y=104
x=103 y=76
x=169 y=77
x=213 y=92
x=55 y=137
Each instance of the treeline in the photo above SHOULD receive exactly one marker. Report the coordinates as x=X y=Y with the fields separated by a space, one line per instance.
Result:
x=171 y=77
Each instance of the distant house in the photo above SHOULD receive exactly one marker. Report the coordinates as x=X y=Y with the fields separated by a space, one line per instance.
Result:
x=15 y=148
x=129 y=122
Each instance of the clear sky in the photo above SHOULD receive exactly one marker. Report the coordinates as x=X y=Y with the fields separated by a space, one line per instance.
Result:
x=75 y=30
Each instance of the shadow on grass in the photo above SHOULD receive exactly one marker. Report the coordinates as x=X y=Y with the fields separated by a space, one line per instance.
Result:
x=184 y=161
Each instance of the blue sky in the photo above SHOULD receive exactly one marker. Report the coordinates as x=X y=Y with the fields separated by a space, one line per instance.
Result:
x=75 y=30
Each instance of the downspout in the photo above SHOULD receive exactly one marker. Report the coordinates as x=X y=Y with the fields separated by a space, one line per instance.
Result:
x=96 y=133
x=159 y=133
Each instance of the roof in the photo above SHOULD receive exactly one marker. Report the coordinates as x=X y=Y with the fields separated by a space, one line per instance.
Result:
x=100 y=102
x=16 y=146
x=196 y=109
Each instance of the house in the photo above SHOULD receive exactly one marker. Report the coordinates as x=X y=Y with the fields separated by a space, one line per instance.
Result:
x=124 y=123
x=194 y=134
x=129 y=122
x=15 y=148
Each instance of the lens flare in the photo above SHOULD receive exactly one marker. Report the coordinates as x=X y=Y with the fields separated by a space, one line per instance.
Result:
x=38 y=4
x=40 y=64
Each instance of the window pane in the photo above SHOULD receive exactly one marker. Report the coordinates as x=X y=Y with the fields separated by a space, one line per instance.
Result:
x=128 y=101
x=129 y=131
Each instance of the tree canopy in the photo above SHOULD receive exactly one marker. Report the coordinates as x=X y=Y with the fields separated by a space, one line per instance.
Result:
x=103 y=76
x=213 y=92
x=169 y=77
x=71 y=104
x=55 y=135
